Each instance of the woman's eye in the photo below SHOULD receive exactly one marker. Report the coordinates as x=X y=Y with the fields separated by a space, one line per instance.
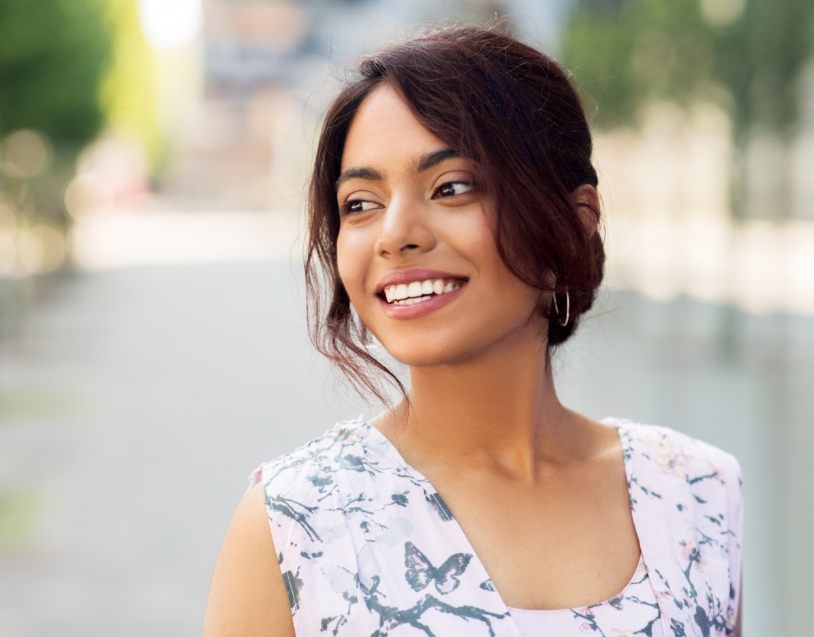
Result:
x=357 y=205
x=452 y=188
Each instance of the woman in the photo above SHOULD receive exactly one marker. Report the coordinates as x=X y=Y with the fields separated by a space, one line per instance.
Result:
x=453 y=216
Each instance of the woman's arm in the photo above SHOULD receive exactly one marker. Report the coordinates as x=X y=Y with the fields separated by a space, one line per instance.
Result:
x=248 y=597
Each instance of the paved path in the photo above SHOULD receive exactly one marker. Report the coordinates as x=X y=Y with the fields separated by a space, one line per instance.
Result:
x=136 y=401
x=158 y=390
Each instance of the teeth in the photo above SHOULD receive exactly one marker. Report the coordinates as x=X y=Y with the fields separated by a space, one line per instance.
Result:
x=417 y=291
x=412 y=300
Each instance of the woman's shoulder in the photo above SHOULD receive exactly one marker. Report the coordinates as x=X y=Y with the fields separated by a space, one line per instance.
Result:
x=677 y=453
x=311 y=467
x=689 y=492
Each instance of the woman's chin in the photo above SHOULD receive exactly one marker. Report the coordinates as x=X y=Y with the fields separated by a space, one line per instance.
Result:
x=426 y=355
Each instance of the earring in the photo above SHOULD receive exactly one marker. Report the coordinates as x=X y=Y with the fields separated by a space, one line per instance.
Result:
x=567 y=308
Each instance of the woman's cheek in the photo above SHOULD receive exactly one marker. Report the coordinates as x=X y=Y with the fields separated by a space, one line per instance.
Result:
x=352 y=263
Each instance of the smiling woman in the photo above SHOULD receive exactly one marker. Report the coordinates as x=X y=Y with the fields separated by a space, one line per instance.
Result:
x=453 y=215
x=512 y=120
x=416 y=204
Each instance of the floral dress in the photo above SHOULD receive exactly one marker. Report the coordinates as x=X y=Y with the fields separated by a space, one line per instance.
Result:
x=368 y=547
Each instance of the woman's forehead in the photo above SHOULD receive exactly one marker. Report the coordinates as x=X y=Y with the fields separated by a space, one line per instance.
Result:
x=385 y=130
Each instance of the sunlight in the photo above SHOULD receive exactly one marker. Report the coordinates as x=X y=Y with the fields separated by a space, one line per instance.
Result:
x=169 y=25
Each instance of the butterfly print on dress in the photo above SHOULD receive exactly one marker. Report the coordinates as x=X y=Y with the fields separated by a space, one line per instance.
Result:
x=420 y=571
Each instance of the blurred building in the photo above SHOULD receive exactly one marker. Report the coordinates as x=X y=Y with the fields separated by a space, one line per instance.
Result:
x=268 y=68
x=224 y=146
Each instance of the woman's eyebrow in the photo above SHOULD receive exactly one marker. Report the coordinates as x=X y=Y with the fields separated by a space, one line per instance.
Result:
x=370 y=174
x=428 y=160
x=425 y=162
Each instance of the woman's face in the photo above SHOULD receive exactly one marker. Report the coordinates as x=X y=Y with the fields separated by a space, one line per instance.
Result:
x=416 y=249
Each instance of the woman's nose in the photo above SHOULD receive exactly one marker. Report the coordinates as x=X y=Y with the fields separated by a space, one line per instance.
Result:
x=404 y=228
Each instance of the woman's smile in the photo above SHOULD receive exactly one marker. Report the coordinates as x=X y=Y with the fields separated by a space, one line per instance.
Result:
x=407 y=294
x=424 y=302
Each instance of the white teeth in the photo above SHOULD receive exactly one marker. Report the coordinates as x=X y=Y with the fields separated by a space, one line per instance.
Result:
x=417 y=291
x=412 y=300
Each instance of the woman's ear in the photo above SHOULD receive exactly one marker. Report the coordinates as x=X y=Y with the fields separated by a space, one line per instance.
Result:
x=585 y=199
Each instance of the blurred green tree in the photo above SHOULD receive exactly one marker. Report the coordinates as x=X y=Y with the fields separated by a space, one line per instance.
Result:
x=53 y=58
x=748 y=56
x=54 y=55
x=69 y=69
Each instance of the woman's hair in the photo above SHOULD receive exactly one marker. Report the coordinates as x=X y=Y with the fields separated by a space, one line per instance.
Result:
x=512 y=110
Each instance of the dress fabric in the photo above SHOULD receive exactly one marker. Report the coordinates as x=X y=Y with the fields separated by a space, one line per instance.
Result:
x=367 y=546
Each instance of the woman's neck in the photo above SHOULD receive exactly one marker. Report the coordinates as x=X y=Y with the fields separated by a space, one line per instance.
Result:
x=497 y=412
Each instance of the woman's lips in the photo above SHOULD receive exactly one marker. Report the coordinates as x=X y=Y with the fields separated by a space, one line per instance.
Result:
x=422 y=308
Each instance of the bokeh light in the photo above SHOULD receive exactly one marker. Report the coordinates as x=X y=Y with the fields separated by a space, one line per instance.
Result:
x=169 y=25
x=25 y=154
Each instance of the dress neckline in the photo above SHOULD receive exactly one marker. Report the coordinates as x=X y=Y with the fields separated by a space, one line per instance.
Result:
x=433 y=495
x=605 y=602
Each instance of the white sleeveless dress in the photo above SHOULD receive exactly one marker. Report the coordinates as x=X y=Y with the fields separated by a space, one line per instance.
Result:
x=367 y=546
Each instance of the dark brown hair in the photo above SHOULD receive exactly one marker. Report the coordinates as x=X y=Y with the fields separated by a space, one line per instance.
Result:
x=511 y=109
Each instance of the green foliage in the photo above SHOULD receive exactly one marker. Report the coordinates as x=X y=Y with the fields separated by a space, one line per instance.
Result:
x=68 y=70
x=630 y=51
x=760 y=59
x=53 y=57
x=748 y=56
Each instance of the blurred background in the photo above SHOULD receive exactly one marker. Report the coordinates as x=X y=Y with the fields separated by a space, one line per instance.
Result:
x=153 y=160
